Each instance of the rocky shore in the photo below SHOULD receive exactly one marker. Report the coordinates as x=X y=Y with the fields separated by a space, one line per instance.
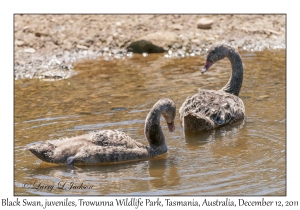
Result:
x=47 y=46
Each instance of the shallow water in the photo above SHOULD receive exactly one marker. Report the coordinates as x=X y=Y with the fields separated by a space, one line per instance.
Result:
x=247 y=158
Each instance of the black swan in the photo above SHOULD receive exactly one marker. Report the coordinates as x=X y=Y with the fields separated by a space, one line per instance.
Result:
x=111 y=145
x=209 y=109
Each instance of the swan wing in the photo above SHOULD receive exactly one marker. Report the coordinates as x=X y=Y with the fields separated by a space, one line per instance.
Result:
x=114 y=138
x=211 y=109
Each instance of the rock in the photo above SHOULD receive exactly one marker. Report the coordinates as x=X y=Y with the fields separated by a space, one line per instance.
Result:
x=143 y=46
x=204 y=23
x=67 y=45
x=153 y=43
x=29 y=50
x=82 y=47
x=39 y=34
x=177 y=27
x=19 y=43
x=161 y=38
x=209 y=38
x=272 y=31
x=25 y=28
x=196 y=41
x=21 y=62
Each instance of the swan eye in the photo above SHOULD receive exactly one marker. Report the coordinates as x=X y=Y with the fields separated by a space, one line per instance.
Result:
x=213 y=52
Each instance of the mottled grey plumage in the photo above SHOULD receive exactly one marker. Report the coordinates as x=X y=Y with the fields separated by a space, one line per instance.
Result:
x=110 y=145
x=209 y=109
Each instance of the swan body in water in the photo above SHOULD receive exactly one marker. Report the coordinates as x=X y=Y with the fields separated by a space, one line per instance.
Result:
x=209 y=109
x=111 y=145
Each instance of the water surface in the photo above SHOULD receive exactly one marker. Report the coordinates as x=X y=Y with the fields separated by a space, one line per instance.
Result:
x=247 y=158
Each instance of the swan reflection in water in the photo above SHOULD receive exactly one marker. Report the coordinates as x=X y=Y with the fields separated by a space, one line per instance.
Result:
x=193 y=138
x=149 y=176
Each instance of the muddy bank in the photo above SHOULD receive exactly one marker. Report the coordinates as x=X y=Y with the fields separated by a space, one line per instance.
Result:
x=46 y=46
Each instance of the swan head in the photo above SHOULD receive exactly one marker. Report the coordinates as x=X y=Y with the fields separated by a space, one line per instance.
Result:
x=169 y=112
x=42 y=151
x=215 y=53
x=153 y=130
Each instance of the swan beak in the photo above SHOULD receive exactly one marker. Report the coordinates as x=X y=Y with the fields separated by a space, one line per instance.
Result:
x=171 y=126
x=35 y=149
x=32 y=149
x=207 y=65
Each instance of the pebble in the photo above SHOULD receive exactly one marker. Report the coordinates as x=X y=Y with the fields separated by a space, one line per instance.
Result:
x=82 y=47
x=177 y=27
x=19 y=43
x=21 y=62
x=196 y=41
x=29 y=50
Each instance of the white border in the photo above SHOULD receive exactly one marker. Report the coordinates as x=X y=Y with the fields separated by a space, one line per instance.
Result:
x=8 y=8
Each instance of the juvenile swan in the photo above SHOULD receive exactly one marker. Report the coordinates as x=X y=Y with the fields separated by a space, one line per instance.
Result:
x=209 y=109
x=111 y=145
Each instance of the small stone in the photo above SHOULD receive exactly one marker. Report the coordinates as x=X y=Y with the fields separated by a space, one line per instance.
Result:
x=196 y=41
x=19 y=43
x=204 y=23
x=105 y=49
x=209 y=38
x=273 y=32
x=29 y=50
x=38 y=34
x=25 y=28
x=21 y=62
x=82 y=47
x=177 y=27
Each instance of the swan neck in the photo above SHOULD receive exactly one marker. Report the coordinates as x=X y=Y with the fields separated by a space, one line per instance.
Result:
x=234 y=84
x=153 y=131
